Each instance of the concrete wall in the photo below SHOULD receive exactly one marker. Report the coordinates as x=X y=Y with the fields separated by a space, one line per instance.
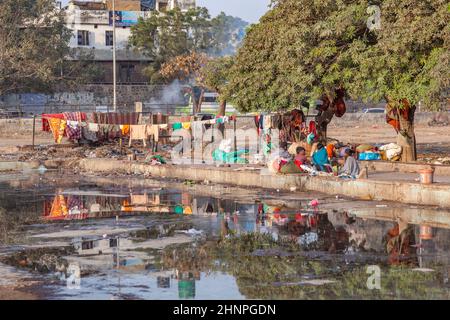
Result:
x=90 y=96
x=360 y=119
x=403 y=192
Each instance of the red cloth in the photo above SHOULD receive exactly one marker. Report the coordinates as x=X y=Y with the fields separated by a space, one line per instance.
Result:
x=312 y=127
x=46 y=116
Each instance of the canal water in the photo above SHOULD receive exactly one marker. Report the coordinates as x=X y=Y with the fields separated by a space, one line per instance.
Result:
x=86 y=240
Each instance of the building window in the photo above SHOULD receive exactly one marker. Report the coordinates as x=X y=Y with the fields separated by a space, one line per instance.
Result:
x=109 y=38
x=126 y=73
x=113 y=243
x=87 y=245
x=83 y=38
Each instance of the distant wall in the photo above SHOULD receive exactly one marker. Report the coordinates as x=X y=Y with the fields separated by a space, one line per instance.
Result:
x=90 y=96
x=365 y=119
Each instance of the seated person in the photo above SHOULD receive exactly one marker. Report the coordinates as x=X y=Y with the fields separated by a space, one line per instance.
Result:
x=279 y=158
x=300 y=158
x=351 y=167
x=320 y=158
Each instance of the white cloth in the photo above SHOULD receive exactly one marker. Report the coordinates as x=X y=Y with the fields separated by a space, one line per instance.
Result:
x=392 y=150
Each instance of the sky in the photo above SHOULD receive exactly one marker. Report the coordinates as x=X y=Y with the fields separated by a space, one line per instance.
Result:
x=248 y=10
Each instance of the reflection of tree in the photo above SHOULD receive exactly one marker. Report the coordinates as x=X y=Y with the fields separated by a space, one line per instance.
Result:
x=11 y=221
x=269 y=269
x=399 y=242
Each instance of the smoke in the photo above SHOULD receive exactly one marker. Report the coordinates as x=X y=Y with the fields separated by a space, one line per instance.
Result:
x=170 y=98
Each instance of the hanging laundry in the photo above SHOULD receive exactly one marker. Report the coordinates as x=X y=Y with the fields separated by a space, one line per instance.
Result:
x=186 y=125
x=58 y=127
x=93 y=127
x=177 y=126
x=138 y=132
x=125 y=129
x=128 y=118
x=73 y=130
x=153 y=130
x=46 y=117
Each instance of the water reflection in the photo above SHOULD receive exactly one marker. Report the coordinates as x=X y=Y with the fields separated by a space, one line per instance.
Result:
x=246 y=249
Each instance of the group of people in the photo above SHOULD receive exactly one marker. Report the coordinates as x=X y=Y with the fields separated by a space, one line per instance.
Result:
x=334 y=159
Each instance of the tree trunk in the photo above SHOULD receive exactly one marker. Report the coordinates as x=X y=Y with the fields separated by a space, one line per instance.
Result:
x=322 y=121
x=199 y=102
x=222 y=108
x=406 y=138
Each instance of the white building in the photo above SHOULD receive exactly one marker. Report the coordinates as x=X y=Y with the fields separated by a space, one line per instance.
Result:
x=93 y=33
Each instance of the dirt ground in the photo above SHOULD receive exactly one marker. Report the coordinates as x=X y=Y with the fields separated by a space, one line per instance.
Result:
x=432 y=142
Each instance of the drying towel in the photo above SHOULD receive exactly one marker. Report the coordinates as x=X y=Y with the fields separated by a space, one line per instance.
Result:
x=153 y=130
x=138 y=132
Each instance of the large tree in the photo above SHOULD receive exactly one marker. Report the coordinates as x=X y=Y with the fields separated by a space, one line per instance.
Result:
x=188 y=70
x=175 y=33
x=215 y=75
x=299 y=50
x=164 y=36
x=305 y=49
x=408 y=64
x=34 y=48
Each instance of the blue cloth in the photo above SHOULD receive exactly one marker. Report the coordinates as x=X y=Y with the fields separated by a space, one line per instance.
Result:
x=320 y=158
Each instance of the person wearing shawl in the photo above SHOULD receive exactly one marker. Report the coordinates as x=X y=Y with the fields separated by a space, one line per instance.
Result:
x=351 y=167
x=320 y=157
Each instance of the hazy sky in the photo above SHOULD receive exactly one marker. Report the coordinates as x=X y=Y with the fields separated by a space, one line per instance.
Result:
x=248 y=10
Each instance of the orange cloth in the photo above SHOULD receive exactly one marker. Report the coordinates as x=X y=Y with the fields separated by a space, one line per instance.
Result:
x=59 y=207
x=330 y=150
x=125 y=129
x=58 y=127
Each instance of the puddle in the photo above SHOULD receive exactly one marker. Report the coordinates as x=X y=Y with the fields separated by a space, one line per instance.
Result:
x=84 y=240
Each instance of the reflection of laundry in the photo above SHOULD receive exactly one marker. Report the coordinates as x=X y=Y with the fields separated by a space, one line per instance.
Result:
x=308 y=238
x=139 y=199
x=59 y=207
x=95 y=207
x=187 y=210
x=185 y=199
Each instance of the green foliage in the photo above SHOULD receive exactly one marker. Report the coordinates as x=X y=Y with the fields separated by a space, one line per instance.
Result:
x=33 y=46
x=165 y=36
x=215 y=74
x=302 y=49
x=411 y=56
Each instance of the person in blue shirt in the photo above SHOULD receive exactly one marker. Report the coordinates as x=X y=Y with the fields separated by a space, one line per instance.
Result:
x=320 y=157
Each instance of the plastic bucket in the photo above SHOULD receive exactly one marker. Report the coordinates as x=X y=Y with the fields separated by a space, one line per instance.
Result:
x=427 y=176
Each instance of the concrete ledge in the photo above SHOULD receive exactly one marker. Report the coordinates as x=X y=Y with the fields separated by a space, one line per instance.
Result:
x=404 y=192
x=18 y=166
x=388 y=166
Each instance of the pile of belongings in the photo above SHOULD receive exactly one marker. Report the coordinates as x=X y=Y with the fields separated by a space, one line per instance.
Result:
x=389 y=152
x=223 y=154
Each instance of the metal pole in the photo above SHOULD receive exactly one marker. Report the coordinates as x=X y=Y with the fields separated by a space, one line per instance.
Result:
x=114 y=58
x=34 y=128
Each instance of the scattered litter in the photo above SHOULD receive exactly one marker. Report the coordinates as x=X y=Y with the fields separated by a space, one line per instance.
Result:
x=423 y=270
